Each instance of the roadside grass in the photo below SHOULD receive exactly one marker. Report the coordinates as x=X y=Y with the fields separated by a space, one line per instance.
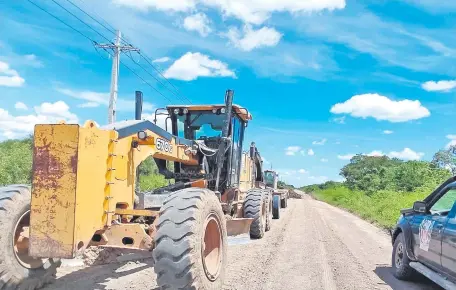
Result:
x=16 y=166
x=382 y=207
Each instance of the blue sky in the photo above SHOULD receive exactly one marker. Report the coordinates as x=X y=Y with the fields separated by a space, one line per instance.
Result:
x=323 y=79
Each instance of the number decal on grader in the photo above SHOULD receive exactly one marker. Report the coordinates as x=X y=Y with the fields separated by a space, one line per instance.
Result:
x=164 y=145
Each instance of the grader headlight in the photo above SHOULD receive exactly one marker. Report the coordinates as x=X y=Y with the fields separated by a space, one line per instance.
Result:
x=142 y=135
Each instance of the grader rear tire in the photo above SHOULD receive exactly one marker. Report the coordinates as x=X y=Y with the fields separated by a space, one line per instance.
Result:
x=255 y=207
x=284 y=202
x=17 y=268
x=191 y=241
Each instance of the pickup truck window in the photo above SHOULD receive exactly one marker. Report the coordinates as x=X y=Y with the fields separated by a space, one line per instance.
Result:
x=445 y=203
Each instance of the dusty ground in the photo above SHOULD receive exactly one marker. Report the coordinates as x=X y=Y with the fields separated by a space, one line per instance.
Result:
x=313 y=246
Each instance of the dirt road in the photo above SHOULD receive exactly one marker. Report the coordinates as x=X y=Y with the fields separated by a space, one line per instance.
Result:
x=313 y=246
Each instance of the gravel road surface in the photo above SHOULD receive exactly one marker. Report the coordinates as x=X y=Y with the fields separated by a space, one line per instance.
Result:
x=313 y=246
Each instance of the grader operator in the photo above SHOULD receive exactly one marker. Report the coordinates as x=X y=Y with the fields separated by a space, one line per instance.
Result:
x=83 y=193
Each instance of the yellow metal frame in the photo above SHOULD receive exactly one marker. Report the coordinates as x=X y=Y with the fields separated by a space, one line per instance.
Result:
x=83 y=177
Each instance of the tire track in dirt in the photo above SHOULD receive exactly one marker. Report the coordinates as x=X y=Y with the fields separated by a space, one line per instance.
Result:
x=248 y=264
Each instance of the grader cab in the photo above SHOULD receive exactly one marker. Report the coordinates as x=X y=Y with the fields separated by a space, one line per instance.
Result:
x=84 y=193
x=280 y=195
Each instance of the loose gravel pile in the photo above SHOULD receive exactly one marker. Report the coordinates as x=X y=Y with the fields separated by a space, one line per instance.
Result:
x=297 y=194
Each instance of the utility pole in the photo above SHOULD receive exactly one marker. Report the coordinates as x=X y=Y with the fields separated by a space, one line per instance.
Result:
x=117 y=48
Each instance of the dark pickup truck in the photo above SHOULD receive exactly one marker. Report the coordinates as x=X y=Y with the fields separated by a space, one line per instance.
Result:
x=424 y=239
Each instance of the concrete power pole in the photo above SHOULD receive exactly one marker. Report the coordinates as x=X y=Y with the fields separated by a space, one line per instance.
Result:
x=117 y=48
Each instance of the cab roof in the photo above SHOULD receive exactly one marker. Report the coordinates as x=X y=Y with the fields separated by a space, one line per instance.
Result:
x=241 y=111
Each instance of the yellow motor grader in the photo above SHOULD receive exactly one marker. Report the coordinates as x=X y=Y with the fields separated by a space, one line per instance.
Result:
x=84 y=193
x=279 y=195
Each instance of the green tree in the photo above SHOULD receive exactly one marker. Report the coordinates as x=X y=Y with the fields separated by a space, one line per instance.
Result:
x=15 y=161
x=369 y=173
x=446 y=159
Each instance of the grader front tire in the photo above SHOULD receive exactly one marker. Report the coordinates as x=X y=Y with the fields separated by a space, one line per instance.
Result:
x=191 y=243
x=17 y=268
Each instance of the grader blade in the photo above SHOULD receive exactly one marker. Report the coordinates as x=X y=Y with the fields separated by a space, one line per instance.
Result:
x=238 y=226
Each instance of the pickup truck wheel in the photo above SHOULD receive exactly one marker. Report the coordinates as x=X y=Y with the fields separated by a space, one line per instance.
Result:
x=17 y=268
x=400 y=261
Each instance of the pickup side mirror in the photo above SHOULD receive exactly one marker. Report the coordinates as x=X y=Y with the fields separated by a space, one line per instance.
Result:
x=419 y=207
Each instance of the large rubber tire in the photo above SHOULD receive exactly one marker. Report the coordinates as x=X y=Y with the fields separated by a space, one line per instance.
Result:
x=276 y=207
x=180 y=241
x=255 y=207
x=284 y=202
x=268 y=194
x=400 y=261
x=14 y=204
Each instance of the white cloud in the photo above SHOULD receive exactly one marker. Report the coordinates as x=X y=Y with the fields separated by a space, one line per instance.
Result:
x=164 y=5
x=56 y=110
x=161 y=59
x=381 y=108
x=258 y=11
x=302 y=171
x=387 y=132
x=324 y=160
x=20 y=106
x=406 y=154
x=321 y=142
x=340 y=120
x=292 y=150
x=337 y=142
x=95 y=99
x=249 y=39
x=9 y=77
x=190 y=66
x=346 y=156
x=33 y=60
x=393 y=43
x=310 y=152
x=439 y=86
x=162 y=121
x=375 y=153
x=198 y=22
x=252 y=11
x=89 y=105
x=22 y=125
x=100 y=98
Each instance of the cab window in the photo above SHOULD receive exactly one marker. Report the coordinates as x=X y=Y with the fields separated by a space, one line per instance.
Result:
x=445 y=203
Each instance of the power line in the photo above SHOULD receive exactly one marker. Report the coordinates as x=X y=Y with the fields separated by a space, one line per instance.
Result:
x=94 y=42
x=60 y=20
x=141 y=54
x=110 y=28
x=131 y=70
x=117 y=49
x=96 y=31
x=157 y=79
x=157 y=70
